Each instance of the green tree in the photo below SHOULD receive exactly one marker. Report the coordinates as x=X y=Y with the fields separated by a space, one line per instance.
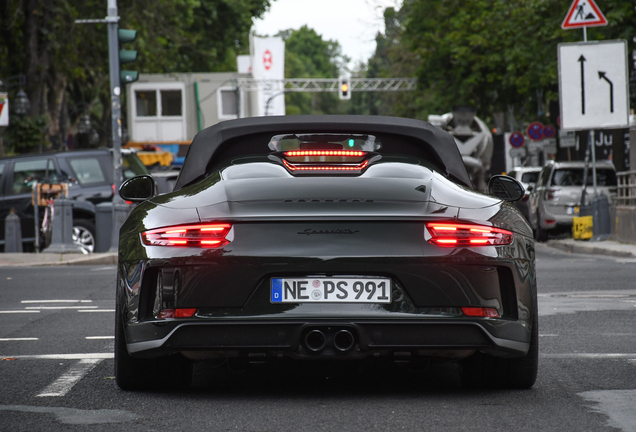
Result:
x=392 y=59
x=307 y=55
x=66 y=64
x=492 y=54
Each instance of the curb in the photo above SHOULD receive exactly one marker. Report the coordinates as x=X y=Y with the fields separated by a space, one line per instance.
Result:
x=589 y=248
x=32 y=260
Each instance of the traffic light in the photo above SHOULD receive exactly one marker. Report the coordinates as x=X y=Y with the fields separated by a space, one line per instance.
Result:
x=344 y=90
x=127 y=56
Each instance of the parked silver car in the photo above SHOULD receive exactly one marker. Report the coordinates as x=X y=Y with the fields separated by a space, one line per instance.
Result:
x=557 y=196
x=528 y=177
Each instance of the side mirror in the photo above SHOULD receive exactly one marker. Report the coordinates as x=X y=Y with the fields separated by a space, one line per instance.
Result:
x=505 y=188
x=138 y=188
x=530 y=187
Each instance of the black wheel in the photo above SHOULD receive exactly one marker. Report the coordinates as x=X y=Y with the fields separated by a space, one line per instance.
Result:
x=485 y=371
x=169 y=372
x=84 y=234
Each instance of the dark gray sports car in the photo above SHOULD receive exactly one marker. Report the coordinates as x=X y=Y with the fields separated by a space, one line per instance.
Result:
x=327 y=238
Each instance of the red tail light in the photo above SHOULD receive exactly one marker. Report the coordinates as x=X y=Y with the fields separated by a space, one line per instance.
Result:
x=552 y=194
x=325 y=161
x=326 y=167
x=204 y=236
x=452 y=235
x=177 y=313
x=481 y=312
x=305 y=153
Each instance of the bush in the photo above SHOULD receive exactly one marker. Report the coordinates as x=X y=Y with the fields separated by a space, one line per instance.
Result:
x=25 y=135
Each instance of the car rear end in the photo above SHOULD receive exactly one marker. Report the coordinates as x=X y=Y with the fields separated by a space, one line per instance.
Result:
x=327 y=242
x=561 y=199
x=325 y=253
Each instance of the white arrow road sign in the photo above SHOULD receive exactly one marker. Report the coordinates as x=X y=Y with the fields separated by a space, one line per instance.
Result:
x=593 y=85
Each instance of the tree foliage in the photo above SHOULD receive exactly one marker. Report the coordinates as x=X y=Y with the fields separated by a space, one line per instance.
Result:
x=307 y=55
x=66 y=64
x=492 y=54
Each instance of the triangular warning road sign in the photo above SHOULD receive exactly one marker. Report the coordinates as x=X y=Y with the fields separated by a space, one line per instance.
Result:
x=583 y=13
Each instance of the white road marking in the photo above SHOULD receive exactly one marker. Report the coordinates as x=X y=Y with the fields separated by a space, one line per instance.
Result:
x=56 y=301
x=548 y=335
x=65 y=383
x=594 y=301
x=97 y=310
x=75 y=416
x=78 y=356
x=590 y=356
x=19 y=311
x=17 y=339
x=99 y=337
x=60 y=307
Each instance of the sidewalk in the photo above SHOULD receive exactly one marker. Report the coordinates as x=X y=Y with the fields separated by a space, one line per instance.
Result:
x=46 y=259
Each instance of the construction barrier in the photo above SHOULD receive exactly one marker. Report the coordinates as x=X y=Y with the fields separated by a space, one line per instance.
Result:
x=582 y=227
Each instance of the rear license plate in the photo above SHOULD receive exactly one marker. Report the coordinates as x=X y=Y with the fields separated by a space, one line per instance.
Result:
x=331 y=290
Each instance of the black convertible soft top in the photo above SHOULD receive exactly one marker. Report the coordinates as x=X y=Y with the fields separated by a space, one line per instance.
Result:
x=254 y=132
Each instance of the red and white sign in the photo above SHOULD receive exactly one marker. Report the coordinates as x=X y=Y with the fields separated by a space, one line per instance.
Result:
x=583 y=13
x=268 y=63
x=267 y=60
x=4 y=109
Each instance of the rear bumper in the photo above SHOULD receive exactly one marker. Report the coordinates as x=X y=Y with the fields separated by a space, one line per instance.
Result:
x=430 y=337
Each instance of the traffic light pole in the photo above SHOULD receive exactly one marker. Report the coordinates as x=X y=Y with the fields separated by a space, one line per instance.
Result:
x=120 y=209
x=115 y=92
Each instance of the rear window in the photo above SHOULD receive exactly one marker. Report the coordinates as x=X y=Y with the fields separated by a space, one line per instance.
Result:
x=27 y=172
x=530 y=177
x=132 y=166
x=87 y=171
x=574 y=177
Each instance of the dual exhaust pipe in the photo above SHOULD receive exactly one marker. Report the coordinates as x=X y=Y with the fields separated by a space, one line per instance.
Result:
x=316 y=340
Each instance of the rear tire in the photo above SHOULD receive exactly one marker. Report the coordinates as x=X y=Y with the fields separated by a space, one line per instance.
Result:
x=486 y=371
x=169 y=372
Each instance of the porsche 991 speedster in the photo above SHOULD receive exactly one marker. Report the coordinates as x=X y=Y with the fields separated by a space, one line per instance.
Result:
x=342 y=238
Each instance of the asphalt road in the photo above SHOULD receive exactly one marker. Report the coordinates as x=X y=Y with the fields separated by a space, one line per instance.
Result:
x=56 y=372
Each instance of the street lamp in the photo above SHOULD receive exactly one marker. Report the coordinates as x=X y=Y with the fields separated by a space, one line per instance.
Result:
x=86 y=129
x=21 y=104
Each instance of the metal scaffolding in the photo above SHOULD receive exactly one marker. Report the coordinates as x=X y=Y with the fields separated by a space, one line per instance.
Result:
x=315 y=85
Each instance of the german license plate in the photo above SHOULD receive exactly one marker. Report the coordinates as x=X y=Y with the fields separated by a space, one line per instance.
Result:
x=331 y=290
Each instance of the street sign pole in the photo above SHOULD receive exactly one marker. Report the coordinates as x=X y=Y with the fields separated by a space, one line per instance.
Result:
x=590 y=103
